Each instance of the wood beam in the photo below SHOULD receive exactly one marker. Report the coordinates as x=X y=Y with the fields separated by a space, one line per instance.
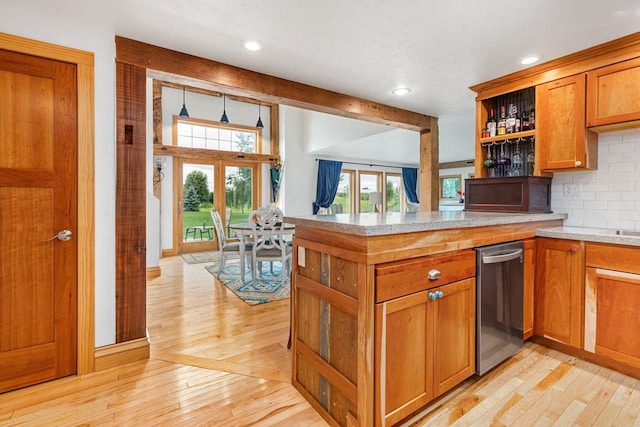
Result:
x=242 y=82
x=429 y=168
x=203 y=153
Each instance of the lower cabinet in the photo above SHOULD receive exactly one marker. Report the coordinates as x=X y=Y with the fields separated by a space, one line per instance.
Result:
x=559 y=290
x=425 y=345
x=528 y=287
x=612 y=303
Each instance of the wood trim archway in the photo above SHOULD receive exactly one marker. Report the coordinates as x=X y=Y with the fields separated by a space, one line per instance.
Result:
x=135 y=60
x=86 y=186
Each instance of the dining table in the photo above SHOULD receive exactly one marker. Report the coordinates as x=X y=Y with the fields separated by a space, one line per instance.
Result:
x=243 y=231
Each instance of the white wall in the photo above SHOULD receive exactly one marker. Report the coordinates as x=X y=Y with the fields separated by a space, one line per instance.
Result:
x=101 y=44
x=610 y=196
x=300 y=168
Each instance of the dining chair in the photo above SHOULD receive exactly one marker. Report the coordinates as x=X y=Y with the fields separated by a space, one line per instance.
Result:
x=267 y=229
x=226 y=248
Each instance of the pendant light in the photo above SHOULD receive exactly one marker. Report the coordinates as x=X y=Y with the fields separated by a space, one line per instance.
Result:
x=224 y=119
x=259 y=125
x=183 y=113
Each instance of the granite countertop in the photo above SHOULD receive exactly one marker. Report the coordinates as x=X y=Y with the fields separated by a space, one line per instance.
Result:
x=601 y=235
x=377 y=224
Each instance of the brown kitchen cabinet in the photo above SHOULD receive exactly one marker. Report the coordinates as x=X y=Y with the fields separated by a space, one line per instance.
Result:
x=563 y=140
x=559 y=290
x=425 y=345
x=612 y=298
x=528 y=287
x=613 y=96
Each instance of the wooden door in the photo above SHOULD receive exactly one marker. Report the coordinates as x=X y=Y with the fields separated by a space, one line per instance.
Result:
x=559 y=293
x=454 y=326
x=38 y=195
x=564 y=142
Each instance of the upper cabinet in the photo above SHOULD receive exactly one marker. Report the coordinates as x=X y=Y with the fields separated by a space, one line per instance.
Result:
x=563 y=140
x=613 y=99
x=594 y=90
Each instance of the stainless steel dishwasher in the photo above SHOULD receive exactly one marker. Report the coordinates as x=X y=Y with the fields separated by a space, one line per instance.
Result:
x=499 y=299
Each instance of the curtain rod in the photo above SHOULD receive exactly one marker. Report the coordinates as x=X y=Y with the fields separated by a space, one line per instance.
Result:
x=369 y=164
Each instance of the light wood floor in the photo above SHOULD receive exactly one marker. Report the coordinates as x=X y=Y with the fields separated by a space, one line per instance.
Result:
x=217 y=361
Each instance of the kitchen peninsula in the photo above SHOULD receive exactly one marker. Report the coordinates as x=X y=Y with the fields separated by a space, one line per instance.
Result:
x=383 y=306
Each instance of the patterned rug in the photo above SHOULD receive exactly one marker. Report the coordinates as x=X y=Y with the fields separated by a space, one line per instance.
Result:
x=266 y=288
x=200 y=257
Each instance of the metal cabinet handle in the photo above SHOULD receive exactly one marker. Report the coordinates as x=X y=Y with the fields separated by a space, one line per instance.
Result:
x=434 y=274
x=439 y=294
x=432 y=296
x=62 y=235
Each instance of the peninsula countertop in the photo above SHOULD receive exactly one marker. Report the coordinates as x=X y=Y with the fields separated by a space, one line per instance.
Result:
x=386 y=223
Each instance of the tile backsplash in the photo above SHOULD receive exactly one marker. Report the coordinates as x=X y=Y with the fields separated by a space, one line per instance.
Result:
x=608 y=197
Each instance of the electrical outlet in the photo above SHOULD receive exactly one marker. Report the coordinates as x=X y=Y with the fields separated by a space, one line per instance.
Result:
x=571 y=190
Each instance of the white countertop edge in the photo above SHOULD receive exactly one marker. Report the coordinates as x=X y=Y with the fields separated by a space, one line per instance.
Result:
x=600 y=235
x=400 y=223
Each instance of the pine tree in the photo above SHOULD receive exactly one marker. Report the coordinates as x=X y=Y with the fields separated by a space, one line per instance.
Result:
x=191 y=200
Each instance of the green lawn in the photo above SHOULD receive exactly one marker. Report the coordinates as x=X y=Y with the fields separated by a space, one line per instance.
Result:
x=196 y=219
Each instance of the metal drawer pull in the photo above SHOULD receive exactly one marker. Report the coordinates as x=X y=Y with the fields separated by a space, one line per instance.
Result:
x=434 y=274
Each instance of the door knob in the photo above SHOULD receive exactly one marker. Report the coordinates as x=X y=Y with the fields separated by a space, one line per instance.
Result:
x=63 y=235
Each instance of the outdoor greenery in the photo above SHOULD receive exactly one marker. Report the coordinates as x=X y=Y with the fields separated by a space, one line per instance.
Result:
x=191 y=200
x=198 y=180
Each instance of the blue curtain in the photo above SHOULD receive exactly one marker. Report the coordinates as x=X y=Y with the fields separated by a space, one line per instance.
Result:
x=410 y=180
x=275 y=181
x=327 y=187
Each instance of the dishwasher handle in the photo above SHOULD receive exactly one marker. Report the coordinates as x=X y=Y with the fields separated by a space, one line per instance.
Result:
x=501 y=257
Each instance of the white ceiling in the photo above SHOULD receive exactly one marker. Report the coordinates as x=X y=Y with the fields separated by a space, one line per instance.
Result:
x=366 y=48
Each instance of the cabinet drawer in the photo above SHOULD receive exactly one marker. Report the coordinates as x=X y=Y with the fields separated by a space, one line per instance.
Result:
x=396 y=279
x=613 y=257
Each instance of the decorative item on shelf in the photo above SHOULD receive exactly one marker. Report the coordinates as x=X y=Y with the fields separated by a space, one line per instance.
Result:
x=461 y=195
x=224 y=119
x=184 y=114
x=159 y=164
x=375 y=199
x=259 y=125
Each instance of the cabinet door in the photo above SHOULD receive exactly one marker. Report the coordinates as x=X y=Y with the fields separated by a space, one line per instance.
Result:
x=563 y=141
x=559 y=292
x=611 y=315
x=613 y=94
x=404 y=377
x=454 y=325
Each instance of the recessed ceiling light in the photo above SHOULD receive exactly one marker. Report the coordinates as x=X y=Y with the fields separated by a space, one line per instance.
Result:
x=401 y=91
x=529 y=60
x=252 y=45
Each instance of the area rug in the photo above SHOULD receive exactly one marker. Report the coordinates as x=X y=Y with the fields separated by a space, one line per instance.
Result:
x=267 y=287
x=200 y=257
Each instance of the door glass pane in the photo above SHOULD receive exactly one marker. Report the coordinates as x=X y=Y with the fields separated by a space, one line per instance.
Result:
x=368 y=185
x=197 y=199
x=239 y=192
x=394 y=192
x=343 y=195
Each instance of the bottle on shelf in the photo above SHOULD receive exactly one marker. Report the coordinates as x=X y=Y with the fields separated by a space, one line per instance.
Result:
x=492 y=125
x=524 y=126
x=502 y=122
x=511 y=119
x=532 y=119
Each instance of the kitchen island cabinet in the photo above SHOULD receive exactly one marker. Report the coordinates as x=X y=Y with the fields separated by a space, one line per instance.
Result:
x=338 y=307
x=433 y=327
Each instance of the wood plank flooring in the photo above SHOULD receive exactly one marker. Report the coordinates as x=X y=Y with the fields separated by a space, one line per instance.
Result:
x=217 y=361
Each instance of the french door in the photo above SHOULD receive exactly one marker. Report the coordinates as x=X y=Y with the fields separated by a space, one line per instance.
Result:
x=199 y=185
